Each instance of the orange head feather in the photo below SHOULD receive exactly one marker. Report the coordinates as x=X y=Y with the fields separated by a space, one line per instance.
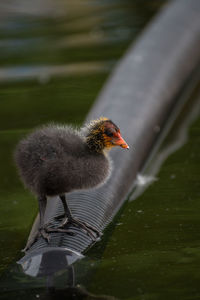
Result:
x=103 y=134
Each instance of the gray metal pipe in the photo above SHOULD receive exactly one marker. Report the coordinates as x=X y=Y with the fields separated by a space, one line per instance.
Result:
x=139 y=97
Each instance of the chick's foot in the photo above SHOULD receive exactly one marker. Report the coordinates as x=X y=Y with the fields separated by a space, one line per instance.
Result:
x=44 y=232
x=40 y=233
x=91 y=231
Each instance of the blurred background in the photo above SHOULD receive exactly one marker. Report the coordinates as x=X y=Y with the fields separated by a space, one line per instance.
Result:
x=55 y=56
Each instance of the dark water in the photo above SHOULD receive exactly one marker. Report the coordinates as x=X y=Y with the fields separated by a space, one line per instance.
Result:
x=55 y=57
x=152 y=249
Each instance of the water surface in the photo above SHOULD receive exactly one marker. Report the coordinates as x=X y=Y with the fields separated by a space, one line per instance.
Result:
x=55 y=57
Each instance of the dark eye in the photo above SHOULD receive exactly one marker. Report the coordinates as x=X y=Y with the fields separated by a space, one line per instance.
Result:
x=108 y=132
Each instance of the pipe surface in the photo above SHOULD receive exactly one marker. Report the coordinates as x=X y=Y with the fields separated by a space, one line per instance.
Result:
x=139 y=97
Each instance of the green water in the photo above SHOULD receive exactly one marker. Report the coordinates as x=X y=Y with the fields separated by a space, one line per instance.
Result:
x=152 y=249
x=154 y=252
x=54 y=61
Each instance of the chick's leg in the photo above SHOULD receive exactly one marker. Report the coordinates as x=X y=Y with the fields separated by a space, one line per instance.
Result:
x=42 y=202
x=45 y=229
x=69 y=219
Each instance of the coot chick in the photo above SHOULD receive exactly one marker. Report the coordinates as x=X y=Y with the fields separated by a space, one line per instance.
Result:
x=56 y=159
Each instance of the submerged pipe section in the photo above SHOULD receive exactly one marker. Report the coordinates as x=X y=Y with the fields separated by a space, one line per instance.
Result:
x=139 y=97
